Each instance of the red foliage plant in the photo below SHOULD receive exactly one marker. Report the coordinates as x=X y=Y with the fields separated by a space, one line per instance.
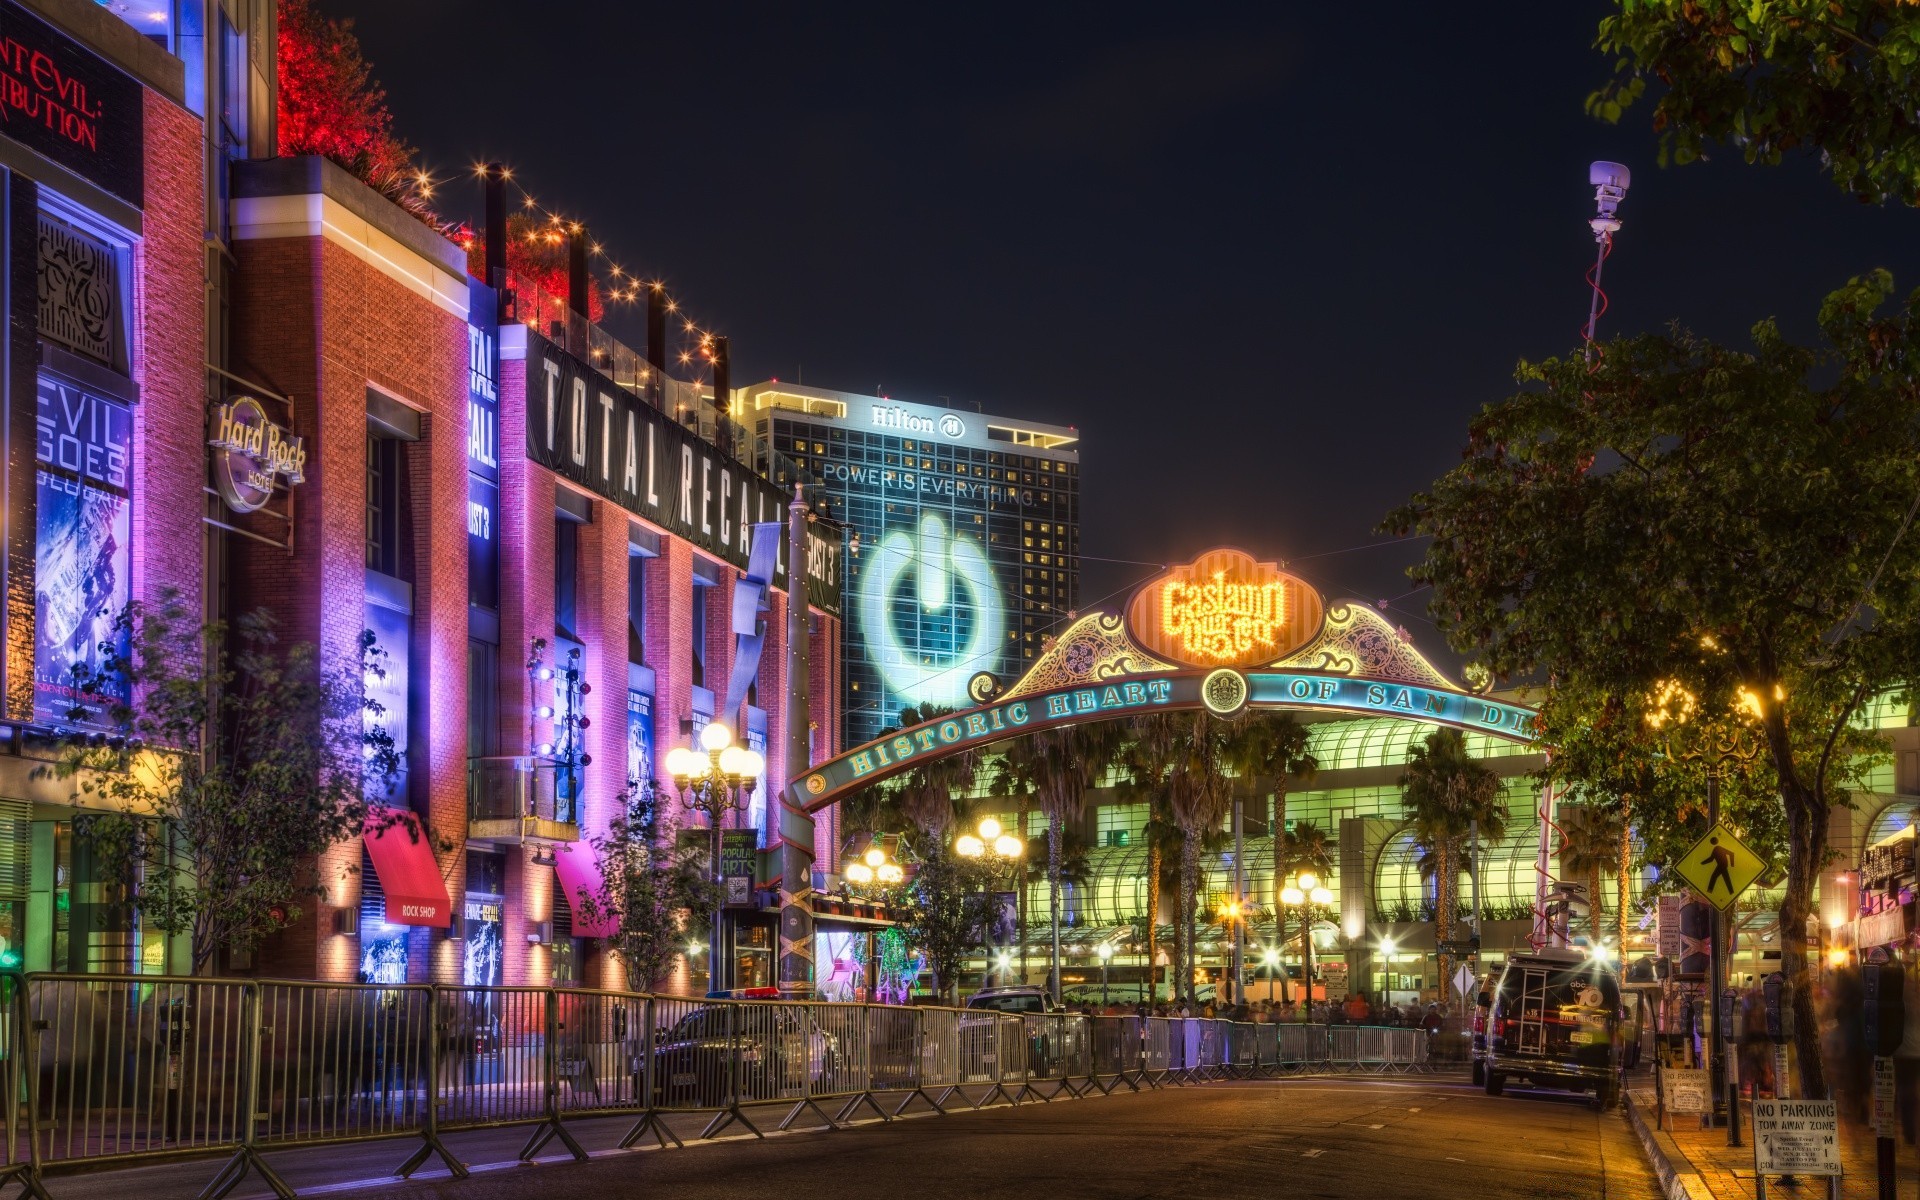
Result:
x=330 y=103
x=537 y=253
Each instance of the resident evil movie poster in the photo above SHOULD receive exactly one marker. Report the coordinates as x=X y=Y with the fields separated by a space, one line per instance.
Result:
x=84 y=538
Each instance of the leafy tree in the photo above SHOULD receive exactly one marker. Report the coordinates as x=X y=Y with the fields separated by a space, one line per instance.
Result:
x=944 y=908
x=1837 y=78
x=649 y=888
x=234 y=762
x=1446 y=791
x=1735 y=524
x=1591 y=834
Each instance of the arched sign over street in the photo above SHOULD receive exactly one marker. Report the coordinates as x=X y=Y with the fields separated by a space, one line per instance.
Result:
x=1224 y=633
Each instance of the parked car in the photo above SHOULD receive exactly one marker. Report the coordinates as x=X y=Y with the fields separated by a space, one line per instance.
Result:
x=771 y=1051
x=1048 y=1032
x=1554 y=1021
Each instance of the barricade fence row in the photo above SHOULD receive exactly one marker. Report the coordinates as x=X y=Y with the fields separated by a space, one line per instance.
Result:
x=110 y=1068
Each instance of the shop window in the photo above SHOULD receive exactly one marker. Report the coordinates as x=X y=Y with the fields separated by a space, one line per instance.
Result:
x=383 y=947
x=566 y=575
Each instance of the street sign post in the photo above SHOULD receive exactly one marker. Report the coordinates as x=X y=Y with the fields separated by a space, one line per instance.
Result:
x=1796 y=1137
x=1721 y=867
x=1688 y=1090
x=1667 y=927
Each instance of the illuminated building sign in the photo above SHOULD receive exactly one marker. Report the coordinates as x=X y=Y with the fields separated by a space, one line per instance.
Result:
x=1183 y=690
x=251 y=453
x=931 y=612
x=1380 y=698
x=59 y=98
x=483 y=447
x=878 y=760
x=584 y=427
x=893 y=416
x=1224 y=609
x=83 y=451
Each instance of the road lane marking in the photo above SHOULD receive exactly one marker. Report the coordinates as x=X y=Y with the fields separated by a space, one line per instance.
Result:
x=1311 y=1153
x=1451 y=1158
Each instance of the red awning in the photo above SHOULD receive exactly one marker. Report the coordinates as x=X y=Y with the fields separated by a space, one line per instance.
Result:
x=409 y=875
x=578 y=872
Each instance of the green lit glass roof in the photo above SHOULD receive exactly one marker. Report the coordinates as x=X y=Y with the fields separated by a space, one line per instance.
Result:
x=1385 y=742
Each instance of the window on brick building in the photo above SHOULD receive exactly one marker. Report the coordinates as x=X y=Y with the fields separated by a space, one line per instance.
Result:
x=566 y=574
x=483 y=712
x=636 y=608
x=699 y=638
x=386 y=495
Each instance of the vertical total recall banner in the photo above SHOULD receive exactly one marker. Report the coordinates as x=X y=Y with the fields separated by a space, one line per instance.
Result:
x=483 y=447
x=82 y=452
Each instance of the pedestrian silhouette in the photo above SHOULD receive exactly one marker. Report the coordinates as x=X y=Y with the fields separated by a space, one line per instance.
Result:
x=1722 y=860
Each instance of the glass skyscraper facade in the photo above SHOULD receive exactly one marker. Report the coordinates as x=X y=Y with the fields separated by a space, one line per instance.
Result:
x=962 y=540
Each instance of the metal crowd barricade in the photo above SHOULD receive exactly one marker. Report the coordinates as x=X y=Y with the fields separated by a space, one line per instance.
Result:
x=127 y=1068
x=1118 y=1050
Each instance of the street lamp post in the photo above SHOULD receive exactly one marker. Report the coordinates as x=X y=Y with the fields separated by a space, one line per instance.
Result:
x=1270 y=959
x=714 y=783
x=1305 y=894
x=992 y=844
x=1105 y=951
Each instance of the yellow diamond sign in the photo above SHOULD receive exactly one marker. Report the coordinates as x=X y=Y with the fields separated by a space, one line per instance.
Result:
x=1721 y=866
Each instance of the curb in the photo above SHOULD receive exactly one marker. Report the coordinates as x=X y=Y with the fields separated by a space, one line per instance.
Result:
x=1678 y=1179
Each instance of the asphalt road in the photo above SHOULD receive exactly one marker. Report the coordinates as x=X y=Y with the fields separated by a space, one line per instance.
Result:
x=1396 y=1139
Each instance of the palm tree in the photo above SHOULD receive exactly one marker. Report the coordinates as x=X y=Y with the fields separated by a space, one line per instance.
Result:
x=923 y=795
x=1057 y=767
x=1147 y=759
x=1198 y=797
x=1445 y=792
x=1304 y=847
x=1590 y=845
x=1266 y=745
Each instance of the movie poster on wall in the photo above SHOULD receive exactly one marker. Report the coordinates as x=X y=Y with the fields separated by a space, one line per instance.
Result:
x=83 y=539
x=639 y=737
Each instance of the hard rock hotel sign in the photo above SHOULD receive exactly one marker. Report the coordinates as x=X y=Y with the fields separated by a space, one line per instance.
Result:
x=1222 y=634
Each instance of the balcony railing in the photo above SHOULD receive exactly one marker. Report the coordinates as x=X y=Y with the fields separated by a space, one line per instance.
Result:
x=513 y=799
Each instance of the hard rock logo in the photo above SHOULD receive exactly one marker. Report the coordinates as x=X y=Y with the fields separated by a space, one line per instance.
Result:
x=251 y=453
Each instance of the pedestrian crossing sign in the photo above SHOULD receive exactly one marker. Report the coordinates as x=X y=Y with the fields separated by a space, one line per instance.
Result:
x=1721 y=867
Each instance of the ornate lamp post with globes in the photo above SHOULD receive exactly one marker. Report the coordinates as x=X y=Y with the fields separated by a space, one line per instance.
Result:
x=992 y=843
x=714 y=783
x=1305 y=894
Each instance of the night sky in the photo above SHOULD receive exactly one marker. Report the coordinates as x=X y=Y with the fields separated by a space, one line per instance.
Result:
x=1268 y=263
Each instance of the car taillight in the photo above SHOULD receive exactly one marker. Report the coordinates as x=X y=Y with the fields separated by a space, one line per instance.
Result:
x=1506 y=1027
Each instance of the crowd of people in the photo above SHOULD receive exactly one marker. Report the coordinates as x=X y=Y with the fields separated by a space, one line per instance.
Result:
x=1356 y=1009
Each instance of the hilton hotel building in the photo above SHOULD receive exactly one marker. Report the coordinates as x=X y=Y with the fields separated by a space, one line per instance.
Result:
x=962 y=539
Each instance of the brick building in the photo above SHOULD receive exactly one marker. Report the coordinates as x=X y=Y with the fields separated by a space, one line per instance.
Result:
x=479 y=497
x=102 y=174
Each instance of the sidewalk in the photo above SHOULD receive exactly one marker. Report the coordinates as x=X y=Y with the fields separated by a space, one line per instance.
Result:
x=1697 y=1164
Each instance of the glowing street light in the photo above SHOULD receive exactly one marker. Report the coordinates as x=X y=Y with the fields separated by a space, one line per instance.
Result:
x=714 y=783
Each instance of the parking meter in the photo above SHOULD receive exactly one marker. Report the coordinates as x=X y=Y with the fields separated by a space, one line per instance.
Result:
x=1773 y=996
x=1884 y=1007
x=1727 y=1000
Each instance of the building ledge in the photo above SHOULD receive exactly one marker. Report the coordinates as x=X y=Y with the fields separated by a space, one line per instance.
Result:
x=517 y=831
